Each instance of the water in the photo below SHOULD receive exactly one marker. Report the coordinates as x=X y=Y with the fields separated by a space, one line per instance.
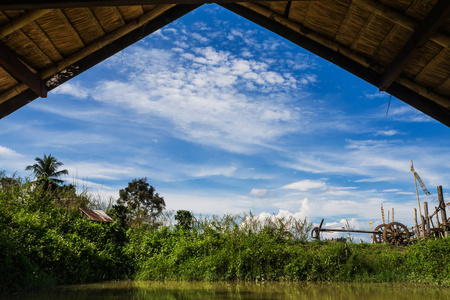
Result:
x=137 y=290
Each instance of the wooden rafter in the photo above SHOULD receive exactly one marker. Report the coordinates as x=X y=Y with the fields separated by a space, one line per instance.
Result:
x=20 y=71
x=396 y=17
x=287 y=10
x=87 y=62
x=439 y=110
x=39 y=4
x=426 y=29
x=88 y=50
x=22 y=21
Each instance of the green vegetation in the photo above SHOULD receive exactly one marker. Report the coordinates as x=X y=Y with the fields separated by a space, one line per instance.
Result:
x=45 y=241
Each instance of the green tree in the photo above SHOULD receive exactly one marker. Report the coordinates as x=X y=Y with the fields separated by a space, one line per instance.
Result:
x=8 y=182
x=46 y=170
x=185 y=219
x=142 y=201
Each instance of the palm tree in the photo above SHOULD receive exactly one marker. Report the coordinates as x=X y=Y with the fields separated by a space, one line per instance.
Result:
x=46 y=169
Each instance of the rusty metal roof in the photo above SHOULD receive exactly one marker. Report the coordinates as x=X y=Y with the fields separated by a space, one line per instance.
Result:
x=96 y=215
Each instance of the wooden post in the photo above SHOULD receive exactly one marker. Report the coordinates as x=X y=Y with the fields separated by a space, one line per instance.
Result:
x=382 y=214
x=427 y=217
x=393 y=215
x=388 y=217
x=424 y=229
x=417 y=225
x=442 y=207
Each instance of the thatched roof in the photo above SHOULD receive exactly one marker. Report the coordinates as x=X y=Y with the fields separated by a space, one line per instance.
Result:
x=399 y=46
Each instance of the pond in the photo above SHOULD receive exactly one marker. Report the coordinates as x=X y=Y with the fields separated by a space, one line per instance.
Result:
x=265 y=290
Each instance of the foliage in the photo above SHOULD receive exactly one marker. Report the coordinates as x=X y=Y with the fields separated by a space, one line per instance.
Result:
x=185 y=219
x=142 y=201
x=46 y=171
x=8 y=182
x=43 y=244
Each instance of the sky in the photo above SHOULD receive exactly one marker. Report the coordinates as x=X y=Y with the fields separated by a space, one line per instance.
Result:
x=224 y=117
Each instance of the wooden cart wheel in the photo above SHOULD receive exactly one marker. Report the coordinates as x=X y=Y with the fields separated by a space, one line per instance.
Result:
x=396 y=234
x=378 y=237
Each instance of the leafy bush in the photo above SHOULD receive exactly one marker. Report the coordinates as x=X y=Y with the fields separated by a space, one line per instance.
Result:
x=44 y=243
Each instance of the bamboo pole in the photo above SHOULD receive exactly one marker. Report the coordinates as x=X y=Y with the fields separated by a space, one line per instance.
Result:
x=415 y=222
x=297 y=27
x=382 y=214
x=427 y=217
x=400 y=19
x=423 y=91
x=21 y=21
x=393 y=215
x=438 y=224
x=91 y=48
x=418 y=201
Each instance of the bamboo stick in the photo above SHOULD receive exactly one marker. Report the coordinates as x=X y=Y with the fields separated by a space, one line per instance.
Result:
x=415 y=221
x=91 y=48
x=21 y=21
x=400 y=19
x=382 y=214
x=418 y=201
x=312 y=35
x=427 y=217
x=421 y=90
x=438 y=224
x=393 y=215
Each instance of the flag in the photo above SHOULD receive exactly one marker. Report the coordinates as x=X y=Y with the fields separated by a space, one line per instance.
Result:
x=422 y=185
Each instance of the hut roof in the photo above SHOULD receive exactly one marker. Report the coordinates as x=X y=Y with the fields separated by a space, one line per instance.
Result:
x=400 y=46
x=96 y=215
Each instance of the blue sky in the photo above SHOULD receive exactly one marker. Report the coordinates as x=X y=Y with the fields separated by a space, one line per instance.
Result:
x=223 y=116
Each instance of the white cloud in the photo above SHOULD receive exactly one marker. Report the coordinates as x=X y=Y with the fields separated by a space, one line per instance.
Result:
x=7 y=152
x=203 y=101
x=200 y=171
x=304 y=185
x=406 y=113
x=106 y=171
x=260 y=193
x=73 y=89
x=391 y=132
x=391 y=190
x=376 y=179
x=376 y=95
x=405 y=193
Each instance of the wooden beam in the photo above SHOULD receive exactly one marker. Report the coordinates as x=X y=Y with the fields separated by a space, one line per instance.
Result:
x=21 y=72
x=287 y=10
x=100 y=55
x=40 y=4
x=399 y=91
x=432 y=22
x=91 y=48
x=401 y=19
x=21 y=21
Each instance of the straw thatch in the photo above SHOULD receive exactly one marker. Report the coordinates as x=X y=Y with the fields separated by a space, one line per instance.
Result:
x=365 y=37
